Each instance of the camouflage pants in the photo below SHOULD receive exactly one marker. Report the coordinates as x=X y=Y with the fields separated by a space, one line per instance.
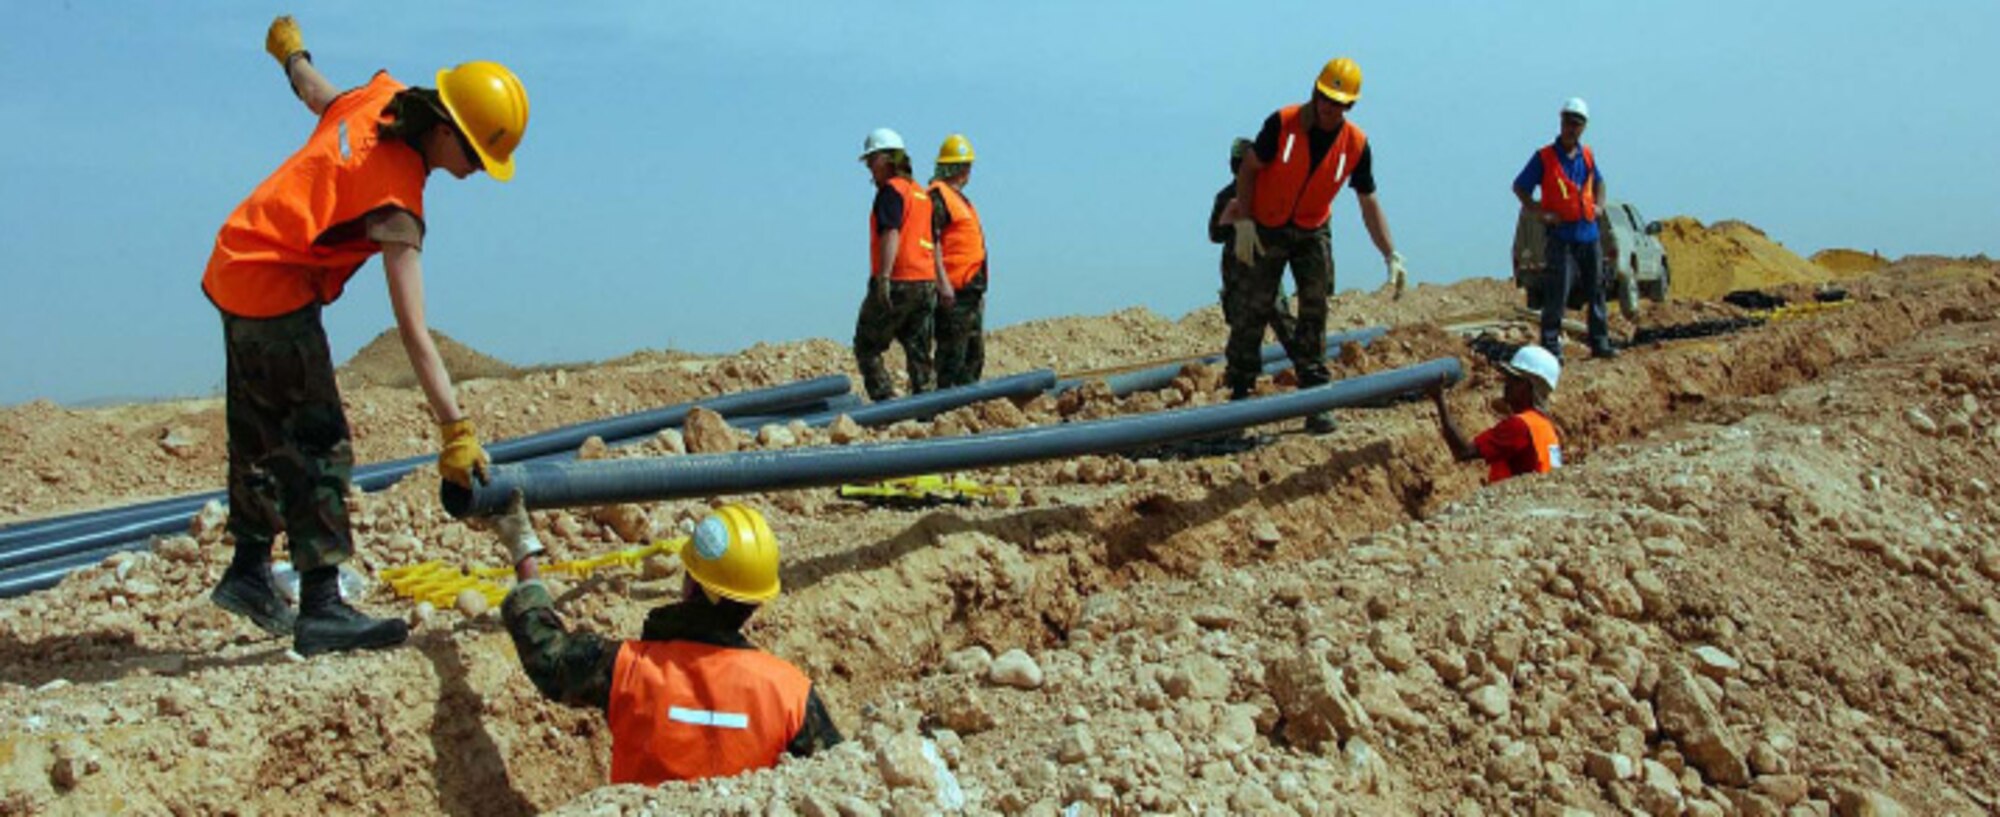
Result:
x=1283 y=326
x=290 y=452
x=907 y=320
x=1310 y=255
x=961 y=337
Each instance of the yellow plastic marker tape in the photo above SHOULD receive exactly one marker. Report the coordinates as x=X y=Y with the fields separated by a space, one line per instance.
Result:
x=1804 y=310
x=440 y=584
x=930 y=488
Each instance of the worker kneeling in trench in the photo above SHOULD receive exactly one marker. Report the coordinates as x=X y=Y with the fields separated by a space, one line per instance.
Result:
x=691 y=698
x=1527 y=441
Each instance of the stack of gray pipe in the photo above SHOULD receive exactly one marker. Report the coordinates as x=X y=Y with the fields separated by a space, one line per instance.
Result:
x=35 y=555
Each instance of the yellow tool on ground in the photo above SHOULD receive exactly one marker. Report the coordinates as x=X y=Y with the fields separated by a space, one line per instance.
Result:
x=1802 y=310
x=926 y=490
x=440 y=583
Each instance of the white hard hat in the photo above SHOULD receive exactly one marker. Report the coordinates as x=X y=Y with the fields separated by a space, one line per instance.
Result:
x=1537 y=365
x=881 y=139
x=1576 y=106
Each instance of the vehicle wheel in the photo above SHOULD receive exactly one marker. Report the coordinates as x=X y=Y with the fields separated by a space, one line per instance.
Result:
x=1628 y=293
x=1662 y=288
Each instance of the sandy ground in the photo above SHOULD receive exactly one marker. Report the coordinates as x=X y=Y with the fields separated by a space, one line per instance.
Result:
x=1768 y=582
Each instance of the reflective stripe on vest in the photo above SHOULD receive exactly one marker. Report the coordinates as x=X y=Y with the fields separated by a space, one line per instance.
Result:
x=964 y=244
x=1547 y=449
x=1289 y=190
x=915 y=259
x=1561 y=195
x=267 y=259
x=682 y=710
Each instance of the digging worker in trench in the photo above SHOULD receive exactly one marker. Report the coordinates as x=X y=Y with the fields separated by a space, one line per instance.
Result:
x=691 y=698
x=961 y=245
x=1284 y=202
x=1526 y=441
x=906 y=277
x=354 y=190
x=1571 y=187
x=1234 y=271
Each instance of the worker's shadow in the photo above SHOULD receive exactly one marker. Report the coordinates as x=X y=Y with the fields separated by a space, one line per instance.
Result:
x=1155 y=519
x=470 y=772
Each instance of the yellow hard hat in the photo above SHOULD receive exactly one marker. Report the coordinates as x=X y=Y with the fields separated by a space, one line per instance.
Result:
x=956 y=150
x=1340 y=80
x=490 y=107
x=733 y=555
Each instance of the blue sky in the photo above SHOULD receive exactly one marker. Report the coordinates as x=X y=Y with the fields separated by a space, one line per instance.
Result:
x=688 y=177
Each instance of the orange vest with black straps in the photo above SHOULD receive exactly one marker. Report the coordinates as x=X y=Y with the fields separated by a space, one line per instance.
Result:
x=1568 y=200
x=1289 y=189
x=683 y=710
x=914 y=259
x=964 y=242
x=269 y=258
x=1546 y=449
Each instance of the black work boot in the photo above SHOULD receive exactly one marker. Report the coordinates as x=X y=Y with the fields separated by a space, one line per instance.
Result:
x=327 y=624
x=246 y=590
x=1321 y=423
x=1604 y=351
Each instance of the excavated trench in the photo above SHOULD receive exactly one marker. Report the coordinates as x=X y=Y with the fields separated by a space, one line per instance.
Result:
x=873 y=601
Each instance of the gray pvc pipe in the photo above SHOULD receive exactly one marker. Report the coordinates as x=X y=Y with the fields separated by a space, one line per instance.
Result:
x=604 y=482
x=923 y=406
x=1159 y=377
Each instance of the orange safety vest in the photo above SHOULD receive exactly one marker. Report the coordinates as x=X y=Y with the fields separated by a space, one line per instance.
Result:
x=1546 y=450
x=268 y=259
x=683 y=710
x=964 y=244
x=1568 y=200
x=1289 y=190
x=914 y=260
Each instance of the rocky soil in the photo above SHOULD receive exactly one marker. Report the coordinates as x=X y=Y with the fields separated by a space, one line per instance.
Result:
x=1767 y=582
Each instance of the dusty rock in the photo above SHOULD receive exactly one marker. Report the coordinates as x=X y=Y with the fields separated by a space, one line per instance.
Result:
x=1264 y=532
x=671 y=441
x=630 y=522
x=1200 y=677
x=708 y=433
x=593 y=448
x=1690 y=718
x=1783 y=789
x=1715 y=664
x=900 y=761
x=207 y=524
x=1608 y=767
x=471 y=603
x=1516 y=765
x=776 y=436
x=1920 y=421
x=1490 y=700
x=1077 y=745
x=1393 y=647
x=1016 y=669
x=845 y=430
x=974 y=660
x=1860 y=802
x=1314 y=699
x=964 y=711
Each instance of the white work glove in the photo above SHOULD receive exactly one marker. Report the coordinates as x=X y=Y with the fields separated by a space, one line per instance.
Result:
x=517 y=533
x=1398 y=277
x=1248 y=247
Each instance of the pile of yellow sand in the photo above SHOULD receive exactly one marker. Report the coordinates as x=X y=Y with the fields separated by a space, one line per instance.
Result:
x=1713 y=261
x=383 y=363
x=1846 y=263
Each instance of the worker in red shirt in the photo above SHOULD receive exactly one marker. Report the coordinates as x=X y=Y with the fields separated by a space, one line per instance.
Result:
x=690 y=698
x=1527 y=441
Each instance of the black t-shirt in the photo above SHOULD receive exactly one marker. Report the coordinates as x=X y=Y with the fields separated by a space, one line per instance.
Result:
x=888 y=209
x=1220 y=233
x=1362 y=180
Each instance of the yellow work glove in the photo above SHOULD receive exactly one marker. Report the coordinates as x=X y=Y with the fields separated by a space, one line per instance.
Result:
x=1398 y=277
x=462 y=458
x=1248 y=245
x=284 y=40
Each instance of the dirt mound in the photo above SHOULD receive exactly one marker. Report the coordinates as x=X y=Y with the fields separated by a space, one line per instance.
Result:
x=1766 y=582
x=1848 y=263
x=384 y=363
x=1713 y=261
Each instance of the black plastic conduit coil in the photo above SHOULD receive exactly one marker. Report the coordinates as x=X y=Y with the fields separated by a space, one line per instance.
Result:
x=923 y=406
x=605 y=482
x=1162 y=376
x=34 y=543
